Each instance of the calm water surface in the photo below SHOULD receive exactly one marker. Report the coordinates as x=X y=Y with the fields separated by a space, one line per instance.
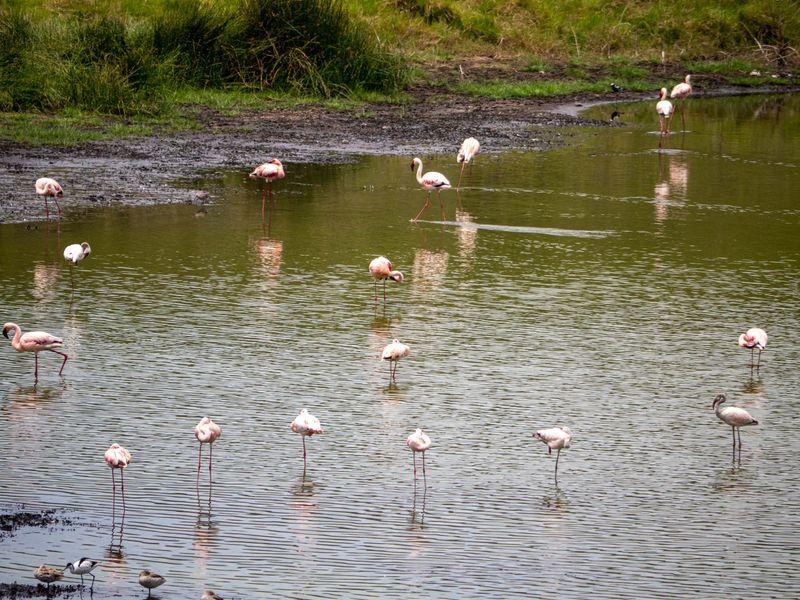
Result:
x=602 y=286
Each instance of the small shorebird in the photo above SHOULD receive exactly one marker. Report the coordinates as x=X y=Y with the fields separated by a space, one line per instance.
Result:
x=210 y=595
x=149 y=580
x=680 y=92
x=75 y=253
x=556 y=438
x=47 y=187
x=83 y=566
x=206 y=432
x=117 y=457
x=381 y=269
x=47 y=575
x=754 y=339
x=393 y=353
x=35 y=341
x=269 y=172
x=734 y=416
x=469 y=148
x=664 y=110
x=306 y=424
x=418 y=442
x=432 y=180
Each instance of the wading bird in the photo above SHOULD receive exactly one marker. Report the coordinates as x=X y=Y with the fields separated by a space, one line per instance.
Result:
x=269 y=171
x=75 y=253
x=381 y=269
x=35 y=341
x=306 y=424
x=210 y=595
x=48 y=575
x=753 y=339
x=664 y=110
x=418 y=442
x=680 y=92
x=469 y=148
x=556 y=438
x=206 y=432
x=150 y=581
x=432 y=180
x=734 y=416
x=393 y=353
x=82 y=567
x=117 y=457
x=47 y=187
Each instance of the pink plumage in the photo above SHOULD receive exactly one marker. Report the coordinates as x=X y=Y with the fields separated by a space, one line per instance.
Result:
x=269 y=172
x=754 y=339
x=35 y=341
x=734 y=416
x=664 y=110
x=556 y=438
x=306 y=425
x=117 y=457
x=49 y=188
x=682 y=90
x=206 y=431
x=418 y=442
x=381 y=269
x=432 y=180
x=393 y=353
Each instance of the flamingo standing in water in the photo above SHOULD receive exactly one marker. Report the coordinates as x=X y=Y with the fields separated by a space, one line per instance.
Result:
x=117 y=457
x=47 y=187
x=75 y=253
x=35 y=341
x=753 y=339
x=664 y=109
x=432 y=180
x=469 y=148
x=269 y=172
x=393 y=353
x=680 y=92
x=418 y=442
x=206 y=432
x=734 y=416
x=306 y=424
x=556 y=438
x=381 y=268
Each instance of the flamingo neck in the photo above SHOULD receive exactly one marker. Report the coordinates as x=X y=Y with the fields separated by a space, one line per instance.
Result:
x=17 y=335
x=419 y=172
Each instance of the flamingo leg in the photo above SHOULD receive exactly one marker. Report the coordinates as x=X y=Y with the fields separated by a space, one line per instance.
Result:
x=458 y=187
x=441 y=203
x=733 y=434
x=739 y=435
x=421 y=210
x=263 y=203
x=113 y=494
x=58 y=207
x=36 y=367
x=683 y=118
x=384 y=290
x=423 y=465
x=199 y=458
x=304 y=453
x=61 y=370
x=375 y=288
x=558 y=455
x=414 y=455
x=122 y=487
x=752 y=358
x=210 y=460
x=46 y=209
x=758 y=366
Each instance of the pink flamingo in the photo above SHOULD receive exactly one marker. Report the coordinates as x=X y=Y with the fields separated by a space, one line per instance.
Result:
x=306 y=424
x=381 y=268
x=35 y=341
x=734 y=416
x=45 y=186
x=418 y=442
x=206 y=432
x=469 y=148
x=754 y=338
x=679 y=92
x=664 y=110
x=269 y=171
x=117 y=457
x=556 y=438
x=393 y=353
x=430 y=181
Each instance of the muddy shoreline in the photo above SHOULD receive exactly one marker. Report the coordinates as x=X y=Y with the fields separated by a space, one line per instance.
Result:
x=161 y=170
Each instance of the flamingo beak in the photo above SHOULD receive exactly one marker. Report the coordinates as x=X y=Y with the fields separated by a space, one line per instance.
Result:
x=5 y=332
x=412 y=165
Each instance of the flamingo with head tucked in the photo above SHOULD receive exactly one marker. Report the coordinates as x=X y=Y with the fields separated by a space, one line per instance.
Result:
x=664 y=110
x=680 y=92
x=269 y=172
x=469 y=148
x=206 y=432
x=49 y=188
x=556 y=438
x=418 y=442
x=306 y=425
x=432 y=180
x=35 y=341
x=393 y=353
x=734 y=416
x=117 y=457
x=381 y=269
x=753 y=339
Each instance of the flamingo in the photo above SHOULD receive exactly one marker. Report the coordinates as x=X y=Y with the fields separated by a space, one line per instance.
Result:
x=150 y=581
x=47 y=575
x=430 y=181
x=418 y=442
x=45 y=186
x=381 y=268
x=556 y=438
x=75 y=253
x=306 y=424
x=35 y=341
x=206 y=432
x=754 y=338
x=117 y=457
x=269 y=171
x=469 y=148
x=664 y=110
x=734 y=416
x=393 y=353
x=681 y=91
x=83 y=566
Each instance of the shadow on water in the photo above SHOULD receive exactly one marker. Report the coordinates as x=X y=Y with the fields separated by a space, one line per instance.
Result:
x=417 y=520
x=24 y=398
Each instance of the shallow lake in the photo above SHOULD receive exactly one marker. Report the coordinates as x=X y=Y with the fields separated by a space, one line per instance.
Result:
x=602 y=286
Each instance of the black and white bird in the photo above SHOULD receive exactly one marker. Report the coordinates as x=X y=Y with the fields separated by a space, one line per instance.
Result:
x=83 y=566
x=615 y=88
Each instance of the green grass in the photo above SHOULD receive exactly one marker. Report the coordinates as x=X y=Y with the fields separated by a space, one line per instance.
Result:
x=503 y=90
